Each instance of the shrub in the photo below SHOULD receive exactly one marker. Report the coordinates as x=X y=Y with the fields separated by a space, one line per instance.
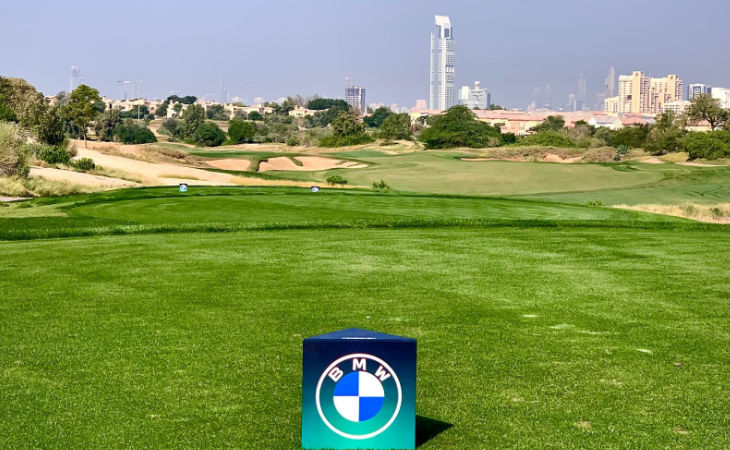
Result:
x=51 y=154
x=292 y=141
x=131 y=133
x=209 y=135
x=84 y=164
x=380 y=186
x=13 y=154
x=548 y=138
x=710 y=145
x=241 y=131
x=336 y=179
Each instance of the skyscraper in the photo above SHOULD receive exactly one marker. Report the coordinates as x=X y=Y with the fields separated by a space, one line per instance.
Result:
x=474 y=97
x=610 y=84
x=355 y=97
x=442 y=92
x=638 y=93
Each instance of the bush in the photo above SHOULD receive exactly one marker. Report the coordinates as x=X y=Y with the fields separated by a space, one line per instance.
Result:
x=336 y=179
x=241 y=131
x=380 y=186
x=255 y=115
x=131 y=133
x=51 y=154
x=548 y=138
x=710 y=145
x=208 y=134
x=326 y=103
x=344 y=141
x=13 y=154
x=292 y=141
x=84 y=164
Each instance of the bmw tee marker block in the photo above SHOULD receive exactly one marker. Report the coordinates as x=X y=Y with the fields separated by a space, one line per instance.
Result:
x=359 y=391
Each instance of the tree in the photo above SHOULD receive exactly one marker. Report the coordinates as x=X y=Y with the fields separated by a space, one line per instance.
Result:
x=377 y=117
x=137 y=112
x=6 y=112
x=187 y=100
x=323 y=118
x=161 y=111
x=665 y=135
x=209 y=135
x=176 y=108
x=171 y=127
x=496 y=108
x=327 y=103
x=216 y=112
x=551 y=123
x=106 y=123
x=255 y=115
x=50 y=128
x=396 y=126
x=346 y=130
x=632 y=136
x=458 y=127
x=193 y=117
x=241 y=131
x=80 y=107
x=704 y=107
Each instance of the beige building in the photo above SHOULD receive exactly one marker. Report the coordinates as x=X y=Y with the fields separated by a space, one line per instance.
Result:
x=640 y=94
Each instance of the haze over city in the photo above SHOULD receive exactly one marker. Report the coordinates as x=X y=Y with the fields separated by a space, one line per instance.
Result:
x=288 y=48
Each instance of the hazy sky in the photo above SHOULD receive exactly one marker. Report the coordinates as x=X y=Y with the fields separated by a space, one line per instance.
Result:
x=306 y=47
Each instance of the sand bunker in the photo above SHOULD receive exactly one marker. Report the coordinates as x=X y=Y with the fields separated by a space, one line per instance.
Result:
x=308 y=163
x=652 y=160
x=696 y=164
x=231 y=164
x=86 y=179
x=551 y=157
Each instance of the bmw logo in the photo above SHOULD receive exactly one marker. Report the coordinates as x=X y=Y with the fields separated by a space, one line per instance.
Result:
x=358 y=396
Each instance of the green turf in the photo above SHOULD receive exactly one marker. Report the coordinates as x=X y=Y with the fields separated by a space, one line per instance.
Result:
x=613 y=183
x=180 y=340
x=539 y=324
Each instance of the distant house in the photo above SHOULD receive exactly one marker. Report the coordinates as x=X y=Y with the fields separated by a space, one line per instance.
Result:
x=301 y=112
x=610 y=122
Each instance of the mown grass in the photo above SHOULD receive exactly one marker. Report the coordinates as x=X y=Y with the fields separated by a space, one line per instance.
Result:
x=152 y=318
x=218 y=209
x=528 y=337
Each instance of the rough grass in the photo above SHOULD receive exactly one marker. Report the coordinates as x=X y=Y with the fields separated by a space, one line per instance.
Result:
x=718 y=213
x=39 y=187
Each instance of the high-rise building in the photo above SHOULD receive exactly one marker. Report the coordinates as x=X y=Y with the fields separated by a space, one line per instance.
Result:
x=610 y=84
x=442 y=92
x=355 y=97
x=582 y=86
x=697 y=89
x=475 y=97
x=640 y=94
x=723 y=95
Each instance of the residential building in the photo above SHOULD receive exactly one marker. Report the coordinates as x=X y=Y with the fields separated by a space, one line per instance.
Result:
x=697 y=89
x=442 y=92
x=723 y=95
x=475 y=97
x=640 y=94
x=355 y=97
x=677 y=107
x=610 y=122
x=610 y=84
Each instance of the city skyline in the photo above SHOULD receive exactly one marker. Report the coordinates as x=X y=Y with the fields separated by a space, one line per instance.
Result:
x=300 y=58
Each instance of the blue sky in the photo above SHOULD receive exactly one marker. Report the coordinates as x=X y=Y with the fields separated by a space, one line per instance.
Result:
x=296 y=47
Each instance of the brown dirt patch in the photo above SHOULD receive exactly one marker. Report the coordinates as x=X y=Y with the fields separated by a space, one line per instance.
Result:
x=717 y=213
x=652 y=160
x=552 y=157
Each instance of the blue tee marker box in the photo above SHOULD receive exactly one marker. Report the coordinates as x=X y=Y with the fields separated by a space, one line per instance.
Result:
x=359 y=391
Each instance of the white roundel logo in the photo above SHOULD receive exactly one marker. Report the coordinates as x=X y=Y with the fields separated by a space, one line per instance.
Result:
x=358 y=396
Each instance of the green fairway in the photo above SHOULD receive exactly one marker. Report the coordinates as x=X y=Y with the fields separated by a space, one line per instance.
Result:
x=539 y=324
x=445 y=173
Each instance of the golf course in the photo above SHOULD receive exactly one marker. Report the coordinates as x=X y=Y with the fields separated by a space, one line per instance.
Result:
x=149 y=317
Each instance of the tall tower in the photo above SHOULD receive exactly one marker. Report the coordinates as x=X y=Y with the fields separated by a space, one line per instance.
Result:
x=74 y=80
x=442 y=92
x=610 y=85
x=582 y=87
x=355 y=97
